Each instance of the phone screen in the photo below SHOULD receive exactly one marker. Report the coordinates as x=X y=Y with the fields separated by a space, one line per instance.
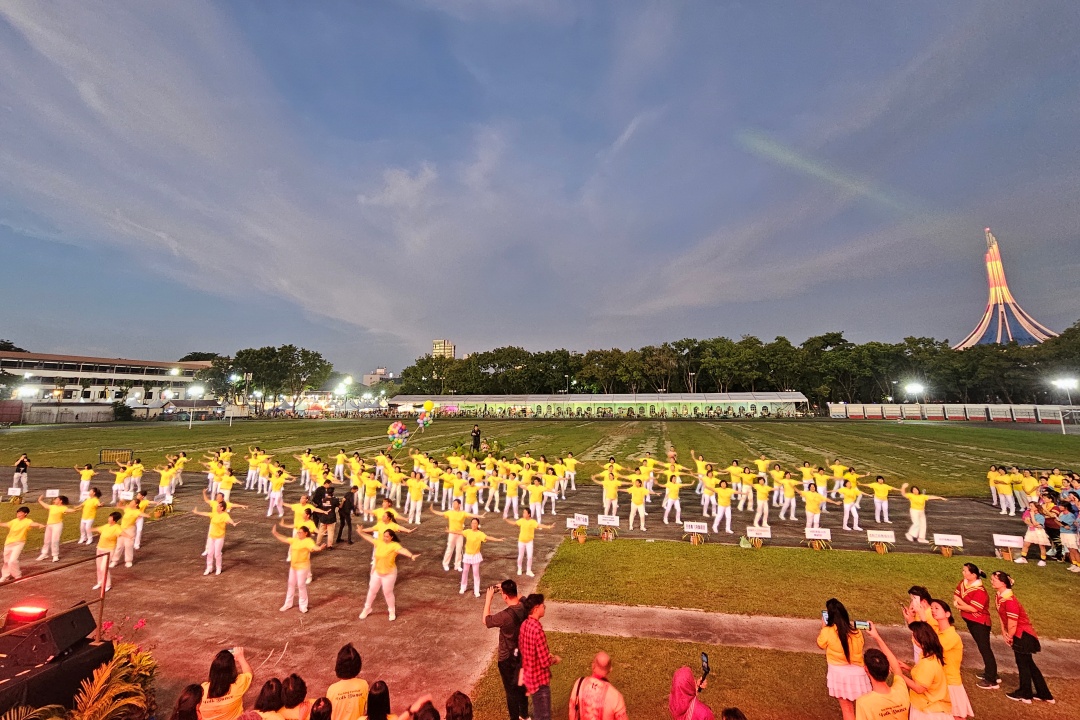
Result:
x=704 y=665
x=825 y=616
x=862 y=624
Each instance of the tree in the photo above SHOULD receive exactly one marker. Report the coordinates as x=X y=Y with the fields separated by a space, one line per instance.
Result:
x=268 y=372
x=198 y=356
x=600 y=370
x=217 y=379
x=304 y=370
x=8 y=346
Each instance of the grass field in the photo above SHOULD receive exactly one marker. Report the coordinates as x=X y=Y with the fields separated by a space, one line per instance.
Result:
x=764 y=684
x=788 y=582
x=949 y=459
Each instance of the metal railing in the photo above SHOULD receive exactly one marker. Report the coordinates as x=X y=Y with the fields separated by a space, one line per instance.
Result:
x=100 y=601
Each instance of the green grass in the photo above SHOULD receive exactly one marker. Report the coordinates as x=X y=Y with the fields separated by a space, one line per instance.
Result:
x=764 y=684
x=791 y=582
x=948 y=459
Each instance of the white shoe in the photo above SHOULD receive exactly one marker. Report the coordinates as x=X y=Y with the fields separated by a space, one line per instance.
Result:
x=1042 y=563
x=56 y=559
x=217 y=572
x=462 y=590
x=476 y=593
x=98 y=586
x=888 y=522
x=924 y=541
x=308 y=581
x=1020 y=561
x=286 y=606
x=446 y=568
x=1074 y=568
x=207 y=571
x=112 y=564
x=127 y=564
x=42 y=557
x=303 y=608
x=364 y=613
x=137 y=547
x=519 y=571
x=530 y=573
x=392 y=617
x=857 y=529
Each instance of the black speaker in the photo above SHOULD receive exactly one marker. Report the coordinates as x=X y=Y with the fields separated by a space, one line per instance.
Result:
x=47 y=640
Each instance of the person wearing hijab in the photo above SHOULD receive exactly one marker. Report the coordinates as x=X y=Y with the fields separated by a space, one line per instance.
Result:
x=683 y=703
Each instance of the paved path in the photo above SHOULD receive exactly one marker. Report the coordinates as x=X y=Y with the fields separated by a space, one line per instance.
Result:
x=1058 y=659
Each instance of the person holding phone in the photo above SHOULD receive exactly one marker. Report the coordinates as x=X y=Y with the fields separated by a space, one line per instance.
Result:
x=843 y=646
x=683 y=702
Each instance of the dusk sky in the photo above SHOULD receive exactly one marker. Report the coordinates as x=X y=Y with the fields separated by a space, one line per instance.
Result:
x=362 y=177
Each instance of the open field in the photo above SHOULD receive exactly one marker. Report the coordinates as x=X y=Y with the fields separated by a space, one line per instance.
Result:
x=789 y=582
x=949 y=459
x=764 y=684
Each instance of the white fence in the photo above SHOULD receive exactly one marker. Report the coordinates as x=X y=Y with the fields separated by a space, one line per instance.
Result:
x=1048 y=414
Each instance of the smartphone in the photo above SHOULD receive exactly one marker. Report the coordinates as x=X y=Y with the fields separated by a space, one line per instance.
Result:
x=862 y=624
x=825 y=616
x=704 y=670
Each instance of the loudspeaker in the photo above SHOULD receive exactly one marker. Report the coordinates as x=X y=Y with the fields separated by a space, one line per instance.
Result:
x=47 y=640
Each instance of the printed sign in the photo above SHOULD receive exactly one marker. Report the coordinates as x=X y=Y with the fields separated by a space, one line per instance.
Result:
x=948 y=540
x=876 y=536
x=581 y=520
x=608 y=520
x=818 y=534
x=127 y=495
x=52 y=493
x=14 y=492
x=696 y=527
x=758 y=532
x=1008 y=541
x=571 y=524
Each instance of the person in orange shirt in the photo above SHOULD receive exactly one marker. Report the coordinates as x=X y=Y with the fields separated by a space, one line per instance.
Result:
x=843 y=646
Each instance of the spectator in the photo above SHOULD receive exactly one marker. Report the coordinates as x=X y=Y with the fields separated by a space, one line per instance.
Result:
x=475 y=443
x=974 y=603
x=732 y=713
x=294 y=698
x=321 y=709
x=536 y=658
x=683 y=703
x=458 y=707
x=349 y=694
x=269 y=703
x=509 y=659
x=378 y=703
x=843 y=646
x=328 y=518
x=883 y=700
x=594 y=698
x=187 y=705
x=1020 y=636
x=349 y=508
x=230 y=678
x=928 y=690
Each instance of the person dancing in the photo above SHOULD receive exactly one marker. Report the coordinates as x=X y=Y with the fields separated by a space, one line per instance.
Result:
x=89 y=514
x=384 y=572
x=723 y=506
x=54 y=525
x=812 y=503
x=474 y=540
x=638 y=494
x=527 y=528
x=300 y=548
x=917 y=500
x=850 y=494
x=15 y=541
x=455 y=541
x=108 y=534
x=881 y=498
x=215 y=538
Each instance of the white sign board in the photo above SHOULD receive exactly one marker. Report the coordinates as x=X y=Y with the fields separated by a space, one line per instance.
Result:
x=696 y=527
x=876 y=536
x=571 y=524
x=581 y=520
x=948 y=540
x=52 y=493
x=758 y=532
x=1008 y=541
x=818 y=534
x=608 y=520
x=127 y=495
x=14 y=492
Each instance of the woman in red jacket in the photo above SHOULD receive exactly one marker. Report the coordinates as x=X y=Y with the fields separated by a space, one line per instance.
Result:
x=973 y=602
x=1021 y=637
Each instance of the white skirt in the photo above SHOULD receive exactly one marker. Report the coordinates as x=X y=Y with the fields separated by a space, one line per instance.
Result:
x=847 y=682
x=1068 y=540
x=1036 y=536
x=473 y=559
x=961 y=706
x=915 y=713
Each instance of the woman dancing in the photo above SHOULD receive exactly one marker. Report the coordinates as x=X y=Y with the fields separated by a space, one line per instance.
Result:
x=917 y=531
x=384 y=573
x=474 y=539
x=215 y=538
x=526 y=532
x=300 y=548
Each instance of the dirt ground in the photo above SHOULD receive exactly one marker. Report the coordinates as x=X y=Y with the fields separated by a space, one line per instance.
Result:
x=437 y=645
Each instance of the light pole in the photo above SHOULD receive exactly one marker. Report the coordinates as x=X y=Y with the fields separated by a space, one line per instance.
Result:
x=692 y=382
x=1066 y=384
x=567 y=384
x=194 y=393
x=915 y=389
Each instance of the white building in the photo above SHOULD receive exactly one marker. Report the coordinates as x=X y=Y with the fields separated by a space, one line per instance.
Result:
x=33 y=377
x=443 y=348
x=377 y=376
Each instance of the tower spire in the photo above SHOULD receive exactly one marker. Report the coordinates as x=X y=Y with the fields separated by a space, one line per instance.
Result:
x=1003 y=320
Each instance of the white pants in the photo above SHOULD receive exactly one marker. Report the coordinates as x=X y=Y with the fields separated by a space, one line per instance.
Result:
x=549 y=497
x=84 y=531
x=563 y=483
x=84 y=490
x=611 y=507
x=136 y=481
x=707 y=501
x=103 y=568
x=572 y=477
x=473 y=508
x=506 y=506
x=339 y=472
x=11 y=561
x=851 y=510
x=475 y=567
x=881 y=510
x=761 y=517
x=179 y=477
x=298 y=580
x=537 y=510
x=20 y=478
x=395 y=494
x=385 y=583
x=51 y=543
x=788 y=508
x=275 y=502
x=673 y=503
x=214 y=547
x=369 y=507
x=649 y=486
x=1007 y=503
x=723 y=512
x=493 y=495
x=813 y=520
x=116 y=490
x=447 y=491
x=251 y=479
x=748 y=500
x=416 y=511
x=125 y=546
x=264 y=485
x=917 y=531
x=639 y=511
x=525 y=551
x=454 y=545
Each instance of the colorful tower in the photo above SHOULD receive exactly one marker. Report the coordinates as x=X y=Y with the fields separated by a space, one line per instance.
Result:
x=1004 y=320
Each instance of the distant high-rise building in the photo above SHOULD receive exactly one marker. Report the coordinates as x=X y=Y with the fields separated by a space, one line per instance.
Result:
x=443 y=348
x=376 y=377
x=1003 y=320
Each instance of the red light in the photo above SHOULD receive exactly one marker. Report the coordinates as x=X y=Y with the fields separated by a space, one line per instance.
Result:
x=23 y=614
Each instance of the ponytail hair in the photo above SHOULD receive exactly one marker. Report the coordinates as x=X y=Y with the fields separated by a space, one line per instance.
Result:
x=974 y=570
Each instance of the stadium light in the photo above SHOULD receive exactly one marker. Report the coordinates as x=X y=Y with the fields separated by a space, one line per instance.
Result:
x=234 y=378
x=27 y=391
x=348 y=379
x=1066 y=384
x=915 y=389
x=174 y=371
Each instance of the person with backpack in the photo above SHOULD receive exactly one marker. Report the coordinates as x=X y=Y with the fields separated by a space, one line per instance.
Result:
x=594 y=697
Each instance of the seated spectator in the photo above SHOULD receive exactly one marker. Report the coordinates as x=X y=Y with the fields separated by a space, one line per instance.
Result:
x=459 y=707
x=269 y=703
x=321 y=709
x=883 y=700
x=378 y=702
x=230 y=678
x=683 y=703
x=294 y=698
x=187 y=705
x=349 y=694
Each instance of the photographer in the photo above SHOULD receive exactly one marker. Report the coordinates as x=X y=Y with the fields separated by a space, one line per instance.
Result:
x=509 y=660
x=683 y=702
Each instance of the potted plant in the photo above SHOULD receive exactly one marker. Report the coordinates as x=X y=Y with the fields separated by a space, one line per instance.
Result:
x=609 y=533
x=579 y=533
x=881 y=547
x=695 y=538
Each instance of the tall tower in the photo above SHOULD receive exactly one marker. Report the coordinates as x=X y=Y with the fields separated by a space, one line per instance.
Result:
x=1004 y=320
x=443 y=348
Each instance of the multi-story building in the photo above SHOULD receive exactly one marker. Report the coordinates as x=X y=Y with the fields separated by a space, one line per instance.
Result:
x=443 y=348
x=73 y=379
x=376 y=377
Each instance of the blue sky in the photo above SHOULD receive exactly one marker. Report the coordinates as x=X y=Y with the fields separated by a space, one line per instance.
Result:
x=361 y=178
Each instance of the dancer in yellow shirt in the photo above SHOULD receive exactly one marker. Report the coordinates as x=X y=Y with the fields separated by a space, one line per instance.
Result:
x=86 y=474
x=611 y=485
x=917 y=500
x=15 y=541
x=850 y=494
x=527 y=528
x=89 y=514
x=638 y=495
x=108 y=534
x=723 y=506
x=812 y=503
x=474 y=540
x=215 y=538
x=300 y=548
x=54 y=525
x=881 y=498
x=671 y=498
x=384 y=571
x=455 y=541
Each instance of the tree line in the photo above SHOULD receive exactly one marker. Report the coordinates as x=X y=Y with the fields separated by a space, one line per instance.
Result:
x=262 y=374
x=826 y=368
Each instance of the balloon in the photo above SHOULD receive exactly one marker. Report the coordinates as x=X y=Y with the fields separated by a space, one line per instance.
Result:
x=398 y=443
x=429 y=406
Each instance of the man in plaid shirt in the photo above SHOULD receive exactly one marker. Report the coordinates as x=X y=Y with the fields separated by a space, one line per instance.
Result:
x=536 y=659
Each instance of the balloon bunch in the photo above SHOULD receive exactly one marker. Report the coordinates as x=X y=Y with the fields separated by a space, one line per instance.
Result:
x=423 y=419
x=397 y=434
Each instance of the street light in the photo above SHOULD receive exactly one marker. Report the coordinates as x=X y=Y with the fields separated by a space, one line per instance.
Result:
x=194 y=392
x=915 y=389
x=1066 y=384
x=348 y=379
x=567 y=384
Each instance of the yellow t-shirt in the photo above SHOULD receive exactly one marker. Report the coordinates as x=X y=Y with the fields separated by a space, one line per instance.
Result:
x=536 y=493
x=131 y=514
x=528 y=529
x=611 y=489
x=218 y=521
x=881 y=490
x=918 y=502
x=17 y=530
x=298 y=511
x=812 y=500
x=891 y=706
x=761 y=491
x=166 y=477
x=672 y=488
x=416 y=489
x=512 y=485
x=226 y=482
x=455 y=520
x=348 y=699
x=838 y=470
x=570 y=463
x=89 y=508
x=1029 y=484
x=56 y=514
x=829 y=641
x=762 y=465
x=850 y=494
x=230 y=705
x=300 y=553
x=992 y=477
x=789 y=487
x=954 y=654
x=470 y=494
x=807 y=473
x=386 y=557
x=108 y=536
x=929 y=673
x=86 y=475
x=473 y=540
x=1056 y=481
x=637 y=495
x=277 y=482
x=723 y=496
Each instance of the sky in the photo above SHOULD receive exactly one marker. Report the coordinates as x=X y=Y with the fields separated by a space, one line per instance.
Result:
x=361 y=178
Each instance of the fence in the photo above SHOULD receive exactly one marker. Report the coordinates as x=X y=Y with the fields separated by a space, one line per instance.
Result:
x=1045 y=414
x=108 y=456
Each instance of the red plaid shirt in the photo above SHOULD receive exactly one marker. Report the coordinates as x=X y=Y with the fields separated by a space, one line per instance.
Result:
x=535 y=657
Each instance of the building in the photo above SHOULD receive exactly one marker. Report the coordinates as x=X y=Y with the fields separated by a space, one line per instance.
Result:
x=76 y=379
x=1003 y=320
x=443 y=348
x=378 y=375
